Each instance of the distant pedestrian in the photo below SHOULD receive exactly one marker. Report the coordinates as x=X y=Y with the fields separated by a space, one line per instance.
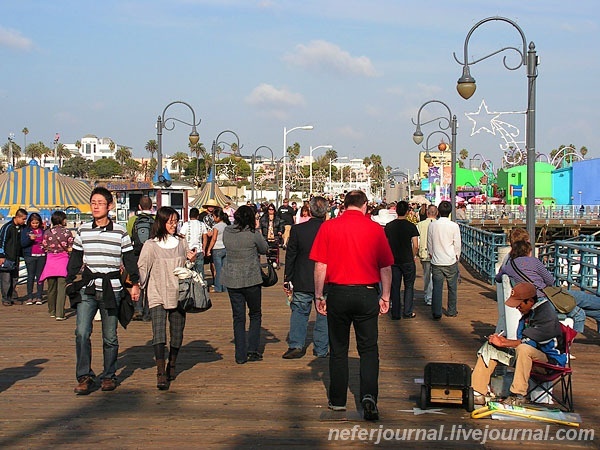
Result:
x=403 y=238
x=35 y=257
x=423 y=227
x=444 y=246
x=10 y=250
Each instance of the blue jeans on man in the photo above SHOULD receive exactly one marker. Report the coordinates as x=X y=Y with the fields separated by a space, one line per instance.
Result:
x=408 y=273
x=301 y=306
x=86 y=310
x=439 y=274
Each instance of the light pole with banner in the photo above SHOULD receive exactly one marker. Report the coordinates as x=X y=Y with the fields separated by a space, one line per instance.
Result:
x=254 y=160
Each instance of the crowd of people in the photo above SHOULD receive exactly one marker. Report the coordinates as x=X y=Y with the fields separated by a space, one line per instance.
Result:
x=349 y=271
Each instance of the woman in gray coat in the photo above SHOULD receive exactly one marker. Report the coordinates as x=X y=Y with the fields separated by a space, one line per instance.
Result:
x=242 y=277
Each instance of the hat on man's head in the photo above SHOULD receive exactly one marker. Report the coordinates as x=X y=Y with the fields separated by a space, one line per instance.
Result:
x=520 y=292
x=210 y=202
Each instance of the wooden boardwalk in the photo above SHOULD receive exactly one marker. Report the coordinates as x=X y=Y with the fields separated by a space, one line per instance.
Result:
x=215 y=403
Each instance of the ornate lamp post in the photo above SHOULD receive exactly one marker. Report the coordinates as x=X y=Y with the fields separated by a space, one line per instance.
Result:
x=285 y=133
x=236 y=153
x=162 y=177
x=253 y=160
x=528 y=58
x=443 y=124
x=312 y=149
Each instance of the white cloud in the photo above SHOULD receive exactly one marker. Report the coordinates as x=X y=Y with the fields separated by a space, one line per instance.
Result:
x=13 y=39
x=276 y=102
x=323 y=55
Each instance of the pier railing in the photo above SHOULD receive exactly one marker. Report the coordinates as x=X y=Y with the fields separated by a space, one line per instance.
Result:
x=480 y=250
x=574 y=262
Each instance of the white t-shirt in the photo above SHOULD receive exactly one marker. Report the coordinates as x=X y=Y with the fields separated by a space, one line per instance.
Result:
x=193 y=230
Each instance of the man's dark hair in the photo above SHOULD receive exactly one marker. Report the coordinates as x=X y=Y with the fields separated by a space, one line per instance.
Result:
x=101 y=190
x=445 y=208
x=194 y=213
x=356 y=198
x=21 y=212
x=58 y=217
x=146 y=203
x=318 y=207
x=402 y=208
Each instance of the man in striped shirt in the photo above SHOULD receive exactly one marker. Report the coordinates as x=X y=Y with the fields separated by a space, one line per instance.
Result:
x=101 y=246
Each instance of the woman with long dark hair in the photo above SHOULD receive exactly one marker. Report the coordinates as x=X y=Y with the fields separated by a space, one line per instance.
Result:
x=272 y=228
x=242 y=277
x=161 y=254
x=34 y=255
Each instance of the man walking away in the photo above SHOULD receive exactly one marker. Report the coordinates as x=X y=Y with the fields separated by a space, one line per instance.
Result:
x=422 y=228
x=140 y=233
x=404 y=242
x=195 y=232
x=353 y=255
x=444 y=246
x=286 y=213
x=10 y=250
x=299 y=279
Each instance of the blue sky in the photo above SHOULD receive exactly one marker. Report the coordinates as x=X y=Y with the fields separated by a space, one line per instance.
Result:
x=358 y=71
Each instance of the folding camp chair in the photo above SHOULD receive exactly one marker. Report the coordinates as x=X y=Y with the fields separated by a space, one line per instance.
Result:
x=546 y=376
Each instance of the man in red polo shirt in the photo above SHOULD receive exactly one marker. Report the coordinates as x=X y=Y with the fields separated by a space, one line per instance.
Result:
x=352 y=255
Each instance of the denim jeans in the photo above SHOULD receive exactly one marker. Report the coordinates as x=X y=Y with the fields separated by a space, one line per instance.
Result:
x=219 y=259
x=427 y=282
x=357 y=306
x=86 y=310
x=35 y=265
x=301 y=306
x=439 y=274
x=239 y=298
x=8 y=285
x=590 y=304
x=408 y=273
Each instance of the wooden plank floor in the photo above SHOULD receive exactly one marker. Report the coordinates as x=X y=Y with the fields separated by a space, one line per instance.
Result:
x=215 y=403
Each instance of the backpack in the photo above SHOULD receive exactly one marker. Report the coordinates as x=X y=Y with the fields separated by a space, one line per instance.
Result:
x=141 y=232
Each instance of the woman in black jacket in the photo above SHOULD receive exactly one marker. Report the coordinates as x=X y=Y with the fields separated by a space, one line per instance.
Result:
x=272 y=228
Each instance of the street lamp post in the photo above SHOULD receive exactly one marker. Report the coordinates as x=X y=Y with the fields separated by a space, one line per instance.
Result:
x=528 y=58
x=253 y=161
x=215 y=144
x=162 y=177
x=285 y=133
x=408 y=182
x=330 y=162
x=443 y=124
x=310 y=160
x=11 y=138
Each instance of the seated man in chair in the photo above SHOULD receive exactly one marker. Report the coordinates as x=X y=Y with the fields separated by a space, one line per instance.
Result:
x=539 y=338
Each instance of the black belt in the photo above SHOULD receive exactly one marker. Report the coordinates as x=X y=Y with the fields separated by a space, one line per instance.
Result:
x=373 y=285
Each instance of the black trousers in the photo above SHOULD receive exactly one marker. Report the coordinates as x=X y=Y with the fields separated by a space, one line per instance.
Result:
x=357 y=306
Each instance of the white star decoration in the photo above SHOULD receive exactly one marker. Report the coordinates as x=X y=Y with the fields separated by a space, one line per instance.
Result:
x=507 y=131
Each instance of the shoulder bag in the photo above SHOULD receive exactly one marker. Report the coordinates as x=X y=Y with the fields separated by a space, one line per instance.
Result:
x=270 y=276
x=8 y=266
x=193 y=296
x=560 y=298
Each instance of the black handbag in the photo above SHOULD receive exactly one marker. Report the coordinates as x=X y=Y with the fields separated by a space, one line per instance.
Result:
x=8 y=266
x=270 y=276
x=193 y=296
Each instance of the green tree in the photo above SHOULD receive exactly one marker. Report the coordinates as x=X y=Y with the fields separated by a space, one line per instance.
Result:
x=180 y=159
x=152 y=147
x=377 y=172
x=293 y=151
x=35 y=150
x=131 y=168
x=198 y=149
x=16 y=152
x=62 y=152
x=122 y=154
x=111 y=146
x=583 y=150
x=105 y=168
x=25 y=132
x=76 y=166
x=78 y=145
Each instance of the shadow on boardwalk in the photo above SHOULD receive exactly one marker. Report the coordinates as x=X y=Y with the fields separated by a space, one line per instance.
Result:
x=215 y=403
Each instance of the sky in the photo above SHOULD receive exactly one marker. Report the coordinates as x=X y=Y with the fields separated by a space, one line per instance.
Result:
x=357 y=71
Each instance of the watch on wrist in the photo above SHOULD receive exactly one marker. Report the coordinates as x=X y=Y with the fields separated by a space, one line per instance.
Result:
x=321 y=298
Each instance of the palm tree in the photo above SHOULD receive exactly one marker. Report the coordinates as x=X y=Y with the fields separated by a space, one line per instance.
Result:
x=25 y=132
x=180 y=159
x=35 y=150
x=78 y=145
x=198 y=149
x=377 y=172
x=122 y=154
x=152 y=147
x=62 y=152
x=131 y=167
x=583 y=150
x=16 y=152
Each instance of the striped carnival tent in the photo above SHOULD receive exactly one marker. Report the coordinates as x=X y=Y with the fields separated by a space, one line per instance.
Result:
x=38 y=189
x=205 y=194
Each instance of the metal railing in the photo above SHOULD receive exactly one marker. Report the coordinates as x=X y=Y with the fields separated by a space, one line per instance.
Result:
x=574 y=262
x=480 y=250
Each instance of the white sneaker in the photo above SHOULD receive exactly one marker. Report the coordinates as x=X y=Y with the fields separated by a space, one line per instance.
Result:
x=97 y=317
